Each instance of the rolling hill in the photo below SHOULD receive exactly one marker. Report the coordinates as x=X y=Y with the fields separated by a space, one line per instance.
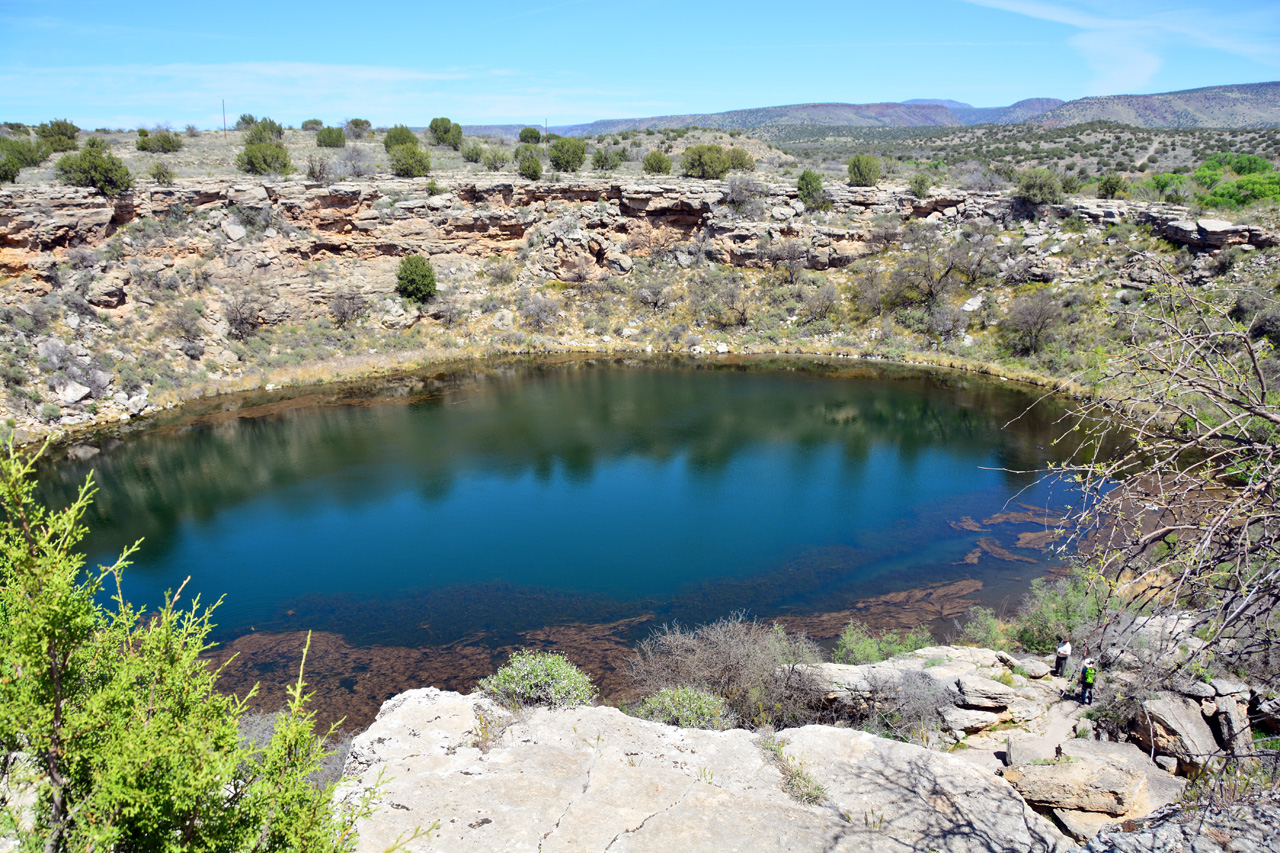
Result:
x=1245 y=105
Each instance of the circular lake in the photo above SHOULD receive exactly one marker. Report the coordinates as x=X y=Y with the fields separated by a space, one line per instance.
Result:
x=474 y=508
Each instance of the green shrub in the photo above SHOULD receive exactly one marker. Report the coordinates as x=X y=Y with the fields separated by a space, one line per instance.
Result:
x=530 y=168
x=161 y=174
x=567 y=155
x=809 y=188
x=919 y=184
x=1249 y=189
x=416 y=278
x=439 y=129
x=740 y=160
x=246 y=121
x=1054 y=609
x=264 y=131
x=982 y=629
x=864 y=171
x=160 y=142
x=531 y=135
x=1241 y=164
x=473 y=152
x=709 y=162
x=656 y=163
x=454 y=138
x=538 y=678
x=687 y=707
x=9 y=169
x=264 y=158
x=331 y=137
x=357 y=128
x=312 y=124
x=857 y=645
x=60 y=134
x=399 y=135
x=495 y=159
x=95 y=168
x=410 y=161
x=27 y=152
x=127 y=740
x=1038 y=186
x=605 y=159
x=1112 y=185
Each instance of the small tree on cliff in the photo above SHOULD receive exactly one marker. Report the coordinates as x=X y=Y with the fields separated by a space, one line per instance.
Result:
x=112 y=717
x=416 y=279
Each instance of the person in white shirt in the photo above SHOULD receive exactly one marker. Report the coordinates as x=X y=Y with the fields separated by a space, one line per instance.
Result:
x=1064 y=654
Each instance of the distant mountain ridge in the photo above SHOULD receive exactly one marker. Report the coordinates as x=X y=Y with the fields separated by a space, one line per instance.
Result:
x=1242 y=105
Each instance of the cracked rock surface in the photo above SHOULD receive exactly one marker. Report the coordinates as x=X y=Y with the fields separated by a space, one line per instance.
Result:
x=589 y=779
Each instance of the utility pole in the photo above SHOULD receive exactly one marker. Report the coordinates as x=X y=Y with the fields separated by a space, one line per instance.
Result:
x=224 y=118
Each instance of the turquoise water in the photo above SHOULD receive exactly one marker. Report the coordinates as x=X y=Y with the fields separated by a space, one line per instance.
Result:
x=504 y=498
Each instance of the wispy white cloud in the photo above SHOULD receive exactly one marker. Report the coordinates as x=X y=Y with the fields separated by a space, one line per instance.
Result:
x=1126 y=43
x=134 y=94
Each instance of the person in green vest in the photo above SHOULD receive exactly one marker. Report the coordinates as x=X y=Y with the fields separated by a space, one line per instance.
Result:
x=1088 y=676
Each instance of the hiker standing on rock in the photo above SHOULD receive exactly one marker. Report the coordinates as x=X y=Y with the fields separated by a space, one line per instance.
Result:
x=1064 y=654
x=1088 y=675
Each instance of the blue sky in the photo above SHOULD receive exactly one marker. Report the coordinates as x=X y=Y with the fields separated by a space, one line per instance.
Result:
x=135 y=63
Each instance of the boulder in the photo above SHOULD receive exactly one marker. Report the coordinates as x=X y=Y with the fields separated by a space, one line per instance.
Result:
x=979 y=692
x=1079 y=785
x=1174 y=725
x=967 y=720
x=234 y=230
x=69 y=391
x=594 y=779
x=1232 y=722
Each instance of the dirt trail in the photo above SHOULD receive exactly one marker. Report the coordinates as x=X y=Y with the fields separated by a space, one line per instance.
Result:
x=1038 y=738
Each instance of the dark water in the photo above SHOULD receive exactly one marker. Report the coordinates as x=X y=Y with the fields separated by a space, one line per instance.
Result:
x=503 y=498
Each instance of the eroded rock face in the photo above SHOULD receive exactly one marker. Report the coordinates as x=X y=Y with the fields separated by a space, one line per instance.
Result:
x=1176 y=727
x=587 y=779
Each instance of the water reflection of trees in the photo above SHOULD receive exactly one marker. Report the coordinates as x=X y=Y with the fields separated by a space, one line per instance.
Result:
x=512 y=420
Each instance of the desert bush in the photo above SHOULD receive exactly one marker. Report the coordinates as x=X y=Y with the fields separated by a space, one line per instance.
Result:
x=265 y=131
x=473 y=152
x=530 y=168
x=981 y=629
x=357 y=128
x=686 y=707
x=532 y=678
x=353 y=163
x=709 y=162
x=1038 y=186
x=161 y=174
x=656 y=163
x=928 y=273
x=312 y=125
x=346 y=306
x=246 y=121
x=864 y=170
x=242 y=309
x=9 y=169
x=454 y=138
x=318 y=168
x=1032 y=321
x=857 y=645
x=59 y=134
x=919 y=184
x=740 y=160
x=1249 y=189
x=1112 y=185
x=160 y=142
x=399 y=135
x=745 y=195
x=531 y=135
x=330 y=137
x=567 y=155
x=809 y=189
x=539 y=311
x=264 y=158
x=25 y=152
x=903 y=707
x=759 y=670
x=95 y=168
x=409 y=161
x=416 y=278
x=1054 y=609
x=501 y=271
x=439 y=129
x=495 y=159
x=605 y=159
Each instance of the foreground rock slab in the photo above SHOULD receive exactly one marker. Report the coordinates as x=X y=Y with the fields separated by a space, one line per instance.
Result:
x=589 y=779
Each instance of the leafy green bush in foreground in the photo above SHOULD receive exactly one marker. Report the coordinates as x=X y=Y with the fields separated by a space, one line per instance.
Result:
x=687 y=707
x=114 y=719
x=538 y=678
